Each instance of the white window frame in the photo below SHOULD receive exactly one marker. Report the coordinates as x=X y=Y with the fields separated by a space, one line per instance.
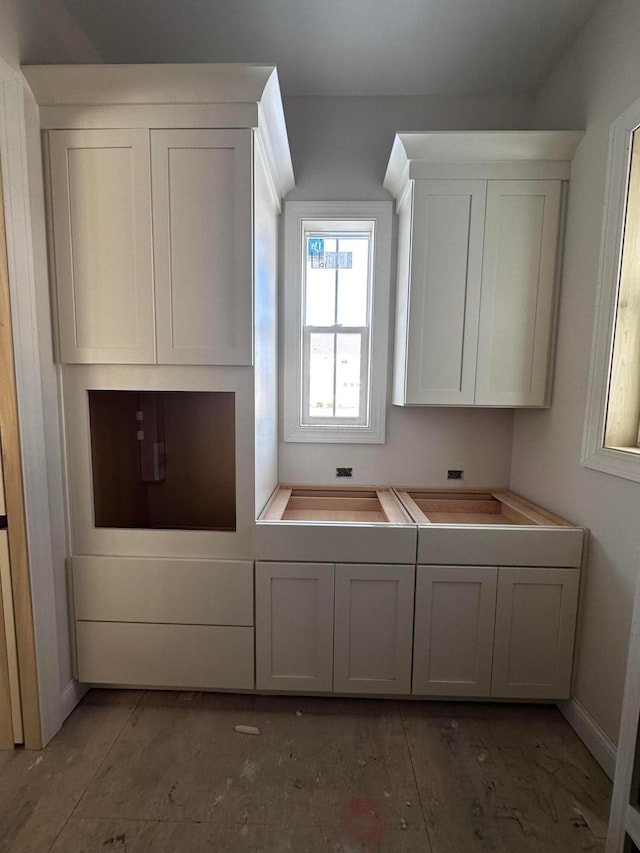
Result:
x=621 y=462
x=296 y=214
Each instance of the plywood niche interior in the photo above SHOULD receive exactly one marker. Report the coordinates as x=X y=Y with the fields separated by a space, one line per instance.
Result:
x=163 y=459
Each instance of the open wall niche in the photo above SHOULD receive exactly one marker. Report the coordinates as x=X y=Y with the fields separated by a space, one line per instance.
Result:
x=163 y=460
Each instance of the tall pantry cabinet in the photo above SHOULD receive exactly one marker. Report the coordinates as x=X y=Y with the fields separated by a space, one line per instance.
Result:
x=164 y=188
x=480 y=217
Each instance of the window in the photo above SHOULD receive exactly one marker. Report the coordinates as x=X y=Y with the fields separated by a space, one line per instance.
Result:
x=613 y=415
x=336 y=318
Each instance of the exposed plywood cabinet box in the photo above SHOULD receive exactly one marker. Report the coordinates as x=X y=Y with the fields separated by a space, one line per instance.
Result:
x=479 y=231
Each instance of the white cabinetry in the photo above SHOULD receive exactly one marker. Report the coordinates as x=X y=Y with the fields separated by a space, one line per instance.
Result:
x=294 y=626
x=479 y=232
x=334 y=627
x=373 y=628
x=101 y=205
x=110 y=191
x=535 y=626
x=201 y=181
x=494 y=631
x=455 y=613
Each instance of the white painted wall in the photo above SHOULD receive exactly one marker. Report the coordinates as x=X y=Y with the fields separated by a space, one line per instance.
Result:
x=340 y=148
x=596 y=80
x=41 y=31
x=37 y=31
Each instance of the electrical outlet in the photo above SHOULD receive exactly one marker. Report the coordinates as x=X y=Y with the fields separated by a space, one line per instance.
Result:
x=455 y=474
x=344 y=472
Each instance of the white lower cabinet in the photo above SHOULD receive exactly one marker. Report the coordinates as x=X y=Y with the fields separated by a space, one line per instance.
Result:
x=534 y=634
x=294 y=626
x=328 y=627
x=373 y=628
x=505 y=633
x=455 y=614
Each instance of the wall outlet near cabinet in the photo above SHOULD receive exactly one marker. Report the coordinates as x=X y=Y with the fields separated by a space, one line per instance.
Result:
x=455 y=474
x=344 y=472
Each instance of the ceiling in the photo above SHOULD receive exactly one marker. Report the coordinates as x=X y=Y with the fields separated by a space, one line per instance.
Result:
x=349 y=47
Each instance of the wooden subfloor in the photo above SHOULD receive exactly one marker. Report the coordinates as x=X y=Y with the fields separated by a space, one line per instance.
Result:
x=150 y=772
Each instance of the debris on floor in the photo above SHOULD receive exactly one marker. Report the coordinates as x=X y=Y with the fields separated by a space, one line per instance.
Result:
x=248 y=730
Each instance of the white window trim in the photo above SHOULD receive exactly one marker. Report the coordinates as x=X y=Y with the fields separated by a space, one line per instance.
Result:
x=623 y=463
x=295 y=214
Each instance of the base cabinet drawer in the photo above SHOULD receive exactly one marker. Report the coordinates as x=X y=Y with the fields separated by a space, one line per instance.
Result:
x=534 y=634
x=453 y=641
x=137 y=589
x=190 y=657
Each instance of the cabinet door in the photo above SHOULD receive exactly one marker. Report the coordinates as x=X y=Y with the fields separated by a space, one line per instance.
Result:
x=373 y=628
x=444 y=298
x=101 y=205
x=294 y=626
x=535 y=628
x=453 y=648
x=202 y=245
x=518 y=278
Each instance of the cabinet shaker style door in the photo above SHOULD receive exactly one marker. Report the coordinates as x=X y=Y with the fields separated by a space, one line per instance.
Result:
x=518 y=279
x=101 y=204
x=202 y=246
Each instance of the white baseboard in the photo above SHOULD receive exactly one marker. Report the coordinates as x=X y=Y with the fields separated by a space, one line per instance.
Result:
x=594 y=738
x=71 y=696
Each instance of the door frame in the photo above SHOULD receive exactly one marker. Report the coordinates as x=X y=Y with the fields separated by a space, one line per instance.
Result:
x=40 y=544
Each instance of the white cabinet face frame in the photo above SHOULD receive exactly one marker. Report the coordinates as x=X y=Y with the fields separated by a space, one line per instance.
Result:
x=518 y=285
x=534 y=634
x=101 y=204
x=442 y=308
x=454 y=625
x=294 y=626
x=373 y=634
x=202 y=222
x=89 y=539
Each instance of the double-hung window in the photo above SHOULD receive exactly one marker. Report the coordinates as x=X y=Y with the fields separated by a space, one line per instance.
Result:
x=336 y=317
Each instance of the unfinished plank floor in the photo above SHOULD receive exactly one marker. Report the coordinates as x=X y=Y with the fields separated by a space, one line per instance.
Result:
x=163 y=772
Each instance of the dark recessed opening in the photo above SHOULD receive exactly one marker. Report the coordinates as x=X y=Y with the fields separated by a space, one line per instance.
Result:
x=163 y=459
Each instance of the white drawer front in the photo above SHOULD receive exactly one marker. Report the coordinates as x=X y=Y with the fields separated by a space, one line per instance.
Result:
x=195 y=592
x=191 y=657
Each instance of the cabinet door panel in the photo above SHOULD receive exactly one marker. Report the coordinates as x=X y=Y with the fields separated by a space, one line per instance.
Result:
x=202 y=245
x=294 y=626
x=101 y=201
x=373 y=628
x=453 y=649
x=535 y=627
x=518 y=278
x=446 y=258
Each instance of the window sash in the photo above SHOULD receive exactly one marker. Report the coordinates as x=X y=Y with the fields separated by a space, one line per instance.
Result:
x=306 y=419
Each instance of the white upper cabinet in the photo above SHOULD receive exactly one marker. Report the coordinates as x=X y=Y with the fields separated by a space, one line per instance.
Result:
x=445 y=221
x=479 y=231
x=101 y=201
x=518 y=277
x=152 y=208
x=202 y=245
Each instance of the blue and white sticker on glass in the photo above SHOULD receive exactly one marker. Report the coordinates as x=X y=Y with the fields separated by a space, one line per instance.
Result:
x=315 y=246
